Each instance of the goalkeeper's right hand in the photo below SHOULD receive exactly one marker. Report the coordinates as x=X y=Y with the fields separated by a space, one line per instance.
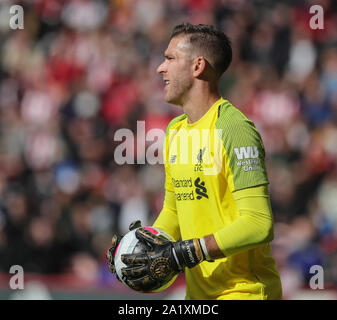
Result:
x=110 y=255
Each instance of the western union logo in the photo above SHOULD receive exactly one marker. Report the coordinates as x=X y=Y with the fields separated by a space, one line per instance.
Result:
x=250 y=152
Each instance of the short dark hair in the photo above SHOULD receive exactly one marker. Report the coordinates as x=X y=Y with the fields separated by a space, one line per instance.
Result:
x=214 y=44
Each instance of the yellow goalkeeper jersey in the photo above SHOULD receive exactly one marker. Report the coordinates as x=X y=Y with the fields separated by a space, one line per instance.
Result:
x=207 y=163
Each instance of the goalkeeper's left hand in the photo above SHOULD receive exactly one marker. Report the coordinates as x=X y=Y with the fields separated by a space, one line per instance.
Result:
x=162 y=261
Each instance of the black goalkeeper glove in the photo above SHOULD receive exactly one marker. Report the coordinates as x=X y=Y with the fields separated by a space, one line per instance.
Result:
x=110 y=255
x=163 y=260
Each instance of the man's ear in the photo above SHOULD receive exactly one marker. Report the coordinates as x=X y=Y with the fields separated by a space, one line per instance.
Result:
x=199 y=66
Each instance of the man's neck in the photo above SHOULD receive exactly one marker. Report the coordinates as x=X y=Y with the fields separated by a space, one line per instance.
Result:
x=198 y=103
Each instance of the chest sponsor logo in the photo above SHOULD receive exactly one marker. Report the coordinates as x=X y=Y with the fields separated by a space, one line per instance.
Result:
x=200 y=189
x=195 y=189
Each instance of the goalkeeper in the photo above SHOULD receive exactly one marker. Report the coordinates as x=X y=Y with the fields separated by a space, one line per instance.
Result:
x=222 y=219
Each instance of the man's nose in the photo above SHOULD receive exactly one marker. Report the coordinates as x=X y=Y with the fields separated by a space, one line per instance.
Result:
x=161 y=68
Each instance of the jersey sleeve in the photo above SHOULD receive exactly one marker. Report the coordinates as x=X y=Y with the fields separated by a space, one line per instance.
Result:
x=253 y=227
x=243 y=151
x=168 y=217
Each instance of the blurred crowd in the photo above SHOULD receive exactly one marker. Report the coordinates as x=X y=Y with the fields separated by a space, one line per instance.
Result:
x=82 y=69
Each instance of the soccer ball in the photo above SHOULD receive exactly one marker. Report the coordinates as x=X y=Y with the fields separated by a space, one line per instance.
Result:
x=130 y=244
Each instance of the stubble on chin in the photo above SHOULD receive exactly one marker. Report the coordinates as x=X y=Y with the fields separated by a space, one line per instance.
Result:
x=173 y=99
x=177 y=90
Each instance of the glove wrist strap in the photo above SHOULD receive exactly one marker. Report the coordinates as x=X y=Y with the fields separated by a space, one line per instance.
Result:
x=178 y=266
x=188 y=253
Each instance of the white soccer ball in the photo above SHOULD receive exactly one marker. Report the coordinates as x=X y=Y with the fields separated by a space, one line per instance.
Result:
x=130 y=244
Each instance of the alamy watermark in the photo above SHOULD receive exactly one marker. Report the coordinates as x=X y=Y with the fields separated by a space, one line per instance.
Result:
x=201 y=148
x=16 y=20
x=317 y=20
x=317 y=280
x=17 y=280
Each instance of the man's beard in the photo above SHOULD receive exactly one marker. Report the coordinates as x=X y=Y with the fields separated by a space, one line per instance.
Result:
x=178 y=90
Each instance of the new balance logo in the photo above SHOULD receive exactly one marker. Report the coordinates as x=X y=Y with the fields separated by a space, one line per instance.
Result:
x=173 y=159
x=250 y=152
